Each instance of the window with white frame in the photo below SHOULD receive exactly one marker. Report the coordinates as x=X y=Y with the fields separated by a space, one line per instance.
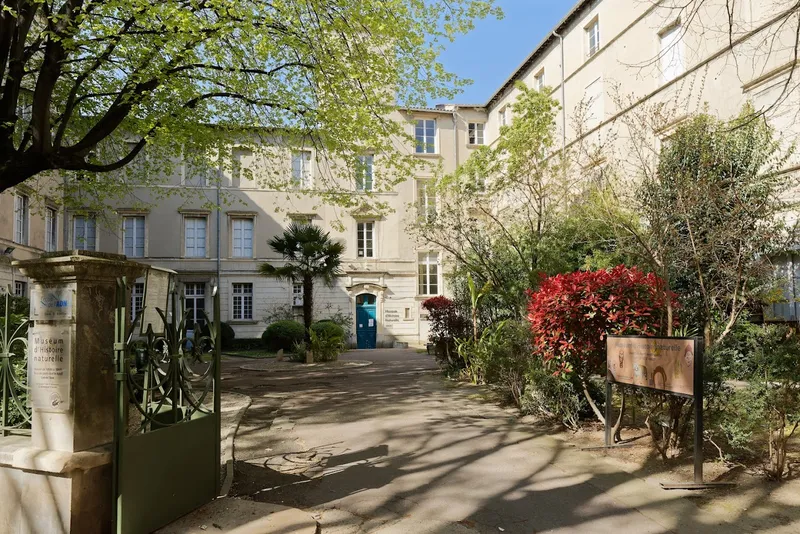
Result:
x=137 y=299
x=365 y=231
x=502 y=116
x=241 y=174
x=195 y=237
x=133 y=236
x=301 y=169
x=364 y=164
x=425 y=135
x=20 y=288
x=50 y=230
x=429 y=273
x=242 y=229
x=84 y=232
x=476 y=133
x=297 y=294
x=538 y=80
x=194 y=294
x=21 y=218
x=426 y=200
x=302 y=219
x=592 y=37
x=671 y=53
x=242 y=302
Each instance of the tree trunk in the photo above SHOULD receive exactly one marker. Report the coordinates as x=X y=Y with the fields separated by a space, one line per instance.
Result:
x=591 y=402
x=617 y=430
x=308 y=305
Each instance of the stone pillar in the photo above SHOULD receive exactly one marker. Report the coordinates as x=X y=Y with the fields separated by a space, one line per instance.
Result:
x=65 y=485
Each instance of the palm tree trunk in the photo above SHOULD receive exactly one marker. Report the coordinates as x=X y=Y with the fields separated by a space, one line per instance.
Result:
x=308 y=304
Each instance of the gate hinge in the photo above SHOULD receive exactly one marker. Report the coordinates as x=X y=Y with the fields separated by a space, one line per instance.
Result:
x=119 y=345
x=119 y=376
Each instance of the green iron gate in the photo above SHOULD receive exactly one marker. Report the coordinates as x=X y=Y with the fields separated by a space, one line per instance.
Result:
x=167 y=421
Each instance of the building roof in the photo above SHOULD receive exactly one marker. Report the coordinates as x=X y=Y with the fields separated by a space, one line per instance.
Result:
x=576 y=10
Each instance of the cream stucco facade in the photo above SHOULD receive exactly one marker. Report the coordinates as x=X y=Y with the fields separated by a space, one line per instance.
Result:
x=617 y=56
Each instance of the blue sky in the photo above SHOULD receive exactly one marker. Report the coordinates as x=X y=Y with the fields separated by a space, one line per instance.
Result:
x=491 y=52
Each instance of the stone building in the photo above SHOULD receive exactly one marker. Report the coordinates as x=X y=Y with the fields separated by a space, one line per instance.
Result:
x=603 y=60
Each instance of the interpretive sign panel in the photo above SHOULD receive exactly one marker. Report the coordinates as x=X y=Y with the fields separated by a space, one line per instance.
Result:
x=156 y=296
x=665 y=364
x=54 y=303
x=49 y=368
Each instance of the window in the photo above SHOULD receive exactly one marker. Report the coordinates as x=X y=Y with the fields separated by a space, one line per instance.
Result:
x=297 y=294
x=20 y=289
x=425 y=134
x=364 y=173
x=195 y=228
x=592 y=38
x=84 y=232
x=21 y=219
x=194 y=294
x=240 y=172
x=476 y=133
x=50 y=230
x=365 y=235
x=137 y=299
x=429 y=273
x=538 y=80
x=242 y=302
x=503 y=118
x=133 y=236
x=594 y=104
x=671 y=53
x=301 y=169
x=426 y=198
x=242 y=238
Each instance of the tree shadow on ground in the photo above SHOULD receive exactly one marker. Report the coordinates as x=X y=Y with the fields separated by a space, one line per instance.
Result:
x=411 y=453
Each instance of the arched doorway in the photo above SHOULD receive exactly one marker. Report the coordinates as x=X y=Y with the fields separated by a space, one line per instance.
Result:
x=366 y=321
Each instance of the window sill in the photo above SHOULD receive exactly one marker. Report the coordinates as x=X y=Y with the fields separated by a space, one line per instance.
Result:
x=428 y=156
x=475 y=145
x=242 y=322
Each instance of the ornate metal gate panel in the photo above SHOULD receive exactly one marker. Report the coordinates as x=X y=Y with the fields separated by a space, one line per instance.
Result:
x=167 y=421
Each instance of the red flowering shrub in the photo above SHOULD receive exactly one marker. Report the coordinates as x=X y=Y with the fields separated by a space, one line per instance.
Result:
x=446 y=324
x=571 y=315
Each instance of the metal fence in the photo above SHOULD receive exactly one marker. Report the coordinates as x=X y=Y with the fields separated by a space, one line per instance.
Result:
x=15 y=416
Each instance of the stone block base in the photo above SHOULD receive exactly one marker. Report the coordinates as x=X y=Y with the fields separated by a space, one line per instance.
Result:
x=49 y=492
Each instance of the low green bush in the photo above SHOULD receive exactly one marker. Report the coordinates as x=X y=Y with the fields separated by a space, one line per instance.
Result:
x=228 y=334
x=245 y=344
x=283 y=335
x=326 y=345
x=552 y=397
x=328 y=328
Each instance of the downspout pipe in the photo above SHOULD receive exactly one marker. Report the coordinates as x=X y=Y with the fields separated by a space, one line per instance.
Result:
x=563 y=97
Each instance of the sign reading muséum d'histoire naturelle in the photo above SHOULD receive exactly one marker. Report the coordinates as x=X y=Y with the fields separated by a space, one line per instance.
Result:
x=665 y=364
x=49 y=367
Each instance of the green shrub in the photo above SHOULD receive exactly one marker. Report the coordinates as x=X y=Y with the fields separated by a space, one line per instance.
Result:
x=283 y=335
x=227 y=332
x=328 y=328
x=552 y=397
x=245 y=344
x=324 y=346
x=501 y=356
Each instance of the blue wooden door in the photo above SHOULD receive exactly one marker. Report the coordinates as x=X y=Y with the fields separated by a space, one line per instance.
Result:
x=366 y=321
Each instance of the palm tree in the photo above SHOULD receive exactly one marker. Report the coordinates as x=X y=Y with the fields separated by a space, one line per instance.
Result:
x=309 y=253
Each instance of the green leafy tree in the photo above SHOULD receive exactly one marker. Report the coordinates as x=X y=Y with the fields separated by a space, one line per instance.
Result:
x=309 y=254
x=514 y=210
x=86 y=85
